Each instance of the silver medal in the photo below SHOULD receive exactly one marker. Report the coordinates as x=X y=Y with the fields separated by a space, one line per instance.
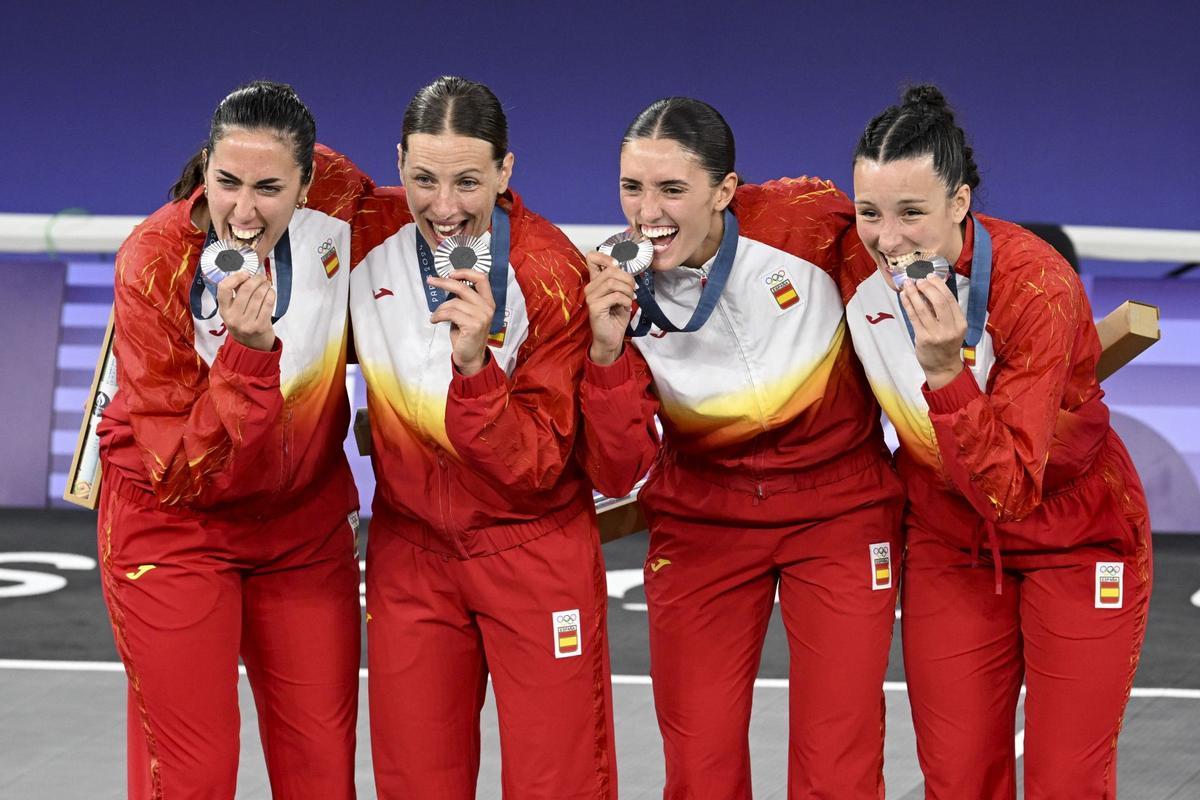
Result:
x=916 y=265
x=633 y=254
x=223 y=258
x=463 y=252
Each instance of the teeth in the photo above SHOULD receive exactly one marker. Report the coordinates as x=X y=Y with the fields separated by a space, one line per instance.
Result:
x=656 y=232
x=903 y=261
x=446 y=228
x=245 y=234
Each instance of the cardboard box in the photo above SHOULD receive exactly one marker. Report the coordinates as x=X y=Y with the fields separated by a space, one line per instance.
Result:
x=1124 y=334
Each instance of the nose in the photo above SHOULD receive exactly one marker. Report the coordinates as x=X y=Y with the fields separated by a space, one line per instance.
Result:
x=443 y=205
x=244 y=206
x=890 y=236
x=651 y=207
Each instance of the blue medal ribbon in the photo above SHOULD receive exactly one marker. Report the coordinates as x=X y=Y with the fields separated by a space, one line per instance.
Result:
x=977 y=293
x=281 y=265
x=709 y=294
x=497 y=276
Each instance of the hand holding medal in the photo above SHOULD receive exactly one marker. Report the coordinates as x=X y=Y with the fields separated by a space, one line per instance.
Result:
x=611 y=291
x=462 y=264
x=245 y=296
x=224 y=258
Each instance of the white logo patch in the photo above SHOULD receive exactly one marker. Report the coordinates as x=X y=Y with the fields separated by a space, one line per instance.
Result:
x=783 y=292
x=568 y=634
x=881 y=565
x=1110 y=584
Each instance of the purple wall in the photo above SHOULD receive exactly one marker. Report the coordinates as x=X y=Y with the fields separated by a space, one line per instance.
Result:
x=30 y=299
x=1078 y=113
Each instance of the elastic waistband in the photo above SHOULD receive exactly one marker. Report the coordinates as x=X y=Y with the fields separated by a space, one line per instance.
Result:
x=120 y=484
x=481 y=541
x=792 y=480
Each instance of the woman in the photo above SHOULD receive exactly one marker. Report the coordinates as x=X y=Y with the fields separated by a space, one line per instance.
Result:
x=227 y=515
x=484 y=554
x=772 y=472
x=1006 y=448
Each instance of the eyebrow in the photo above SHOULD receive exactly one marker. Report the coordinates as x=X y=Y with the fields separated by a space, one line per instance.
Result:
x=472 y=171
x=263 y=183
x=672 y=182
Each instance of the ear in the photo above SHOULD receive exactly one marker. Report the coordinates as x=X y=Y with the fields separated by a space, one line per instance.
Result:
x=725 y=191
x=960 y=203
x=506 y=168
x=312 y=175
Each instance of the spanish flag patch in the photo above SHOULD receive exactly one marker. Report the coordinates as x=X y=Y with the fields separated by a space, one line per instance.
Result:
x=1110 y=584
x=782 y=290
x=329 y=258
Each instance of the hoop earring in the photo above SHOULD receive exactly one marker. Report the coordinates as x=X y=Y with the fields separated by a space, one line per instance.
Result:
x=303 y=202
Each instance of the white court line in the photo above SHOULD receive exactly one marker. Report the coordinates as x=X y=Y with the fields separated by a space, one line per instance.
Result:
x=618 y=680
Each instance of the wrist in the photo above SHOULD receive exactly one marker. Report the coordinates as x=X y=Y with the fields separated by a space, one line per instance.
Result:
x=470 y=367
x=604 y=356
x=936 y=379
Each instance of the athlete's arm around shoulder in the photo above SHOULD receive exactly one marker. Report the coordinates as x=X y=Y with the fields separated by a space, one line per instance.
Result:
x=806 y=217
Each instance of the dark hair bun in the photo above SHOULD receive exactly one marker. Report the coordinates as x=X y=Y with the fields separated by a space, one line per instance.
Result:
x=926 y=95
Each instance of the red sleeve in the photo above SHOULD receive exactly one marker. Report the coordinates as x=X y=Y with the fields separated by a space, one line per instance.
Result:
x=995 y=446
x=338 y=185
x=807 y=217
x=620 y=438
x=519 y=432
x=200 y=432
x=380 y=214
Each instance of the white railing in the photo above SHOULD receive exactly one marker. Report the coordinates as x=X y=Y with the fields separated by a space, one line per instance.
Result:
x=81 y=233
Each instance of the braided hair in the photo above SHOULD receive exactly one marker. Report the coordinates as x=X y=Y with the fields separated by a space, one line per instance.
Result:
x=922 y=124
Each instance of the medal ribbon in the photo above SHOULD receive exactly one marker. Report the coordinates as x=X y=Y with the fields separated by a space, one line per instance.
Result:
x=978 y=291
x=282 y=264
x=497 y=276
x=709 y=294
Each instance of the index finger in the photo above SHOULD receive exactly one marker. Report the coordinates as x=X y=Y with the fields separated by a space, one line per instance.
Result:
x=229 y=285
x=938 y=295
x=597 y=262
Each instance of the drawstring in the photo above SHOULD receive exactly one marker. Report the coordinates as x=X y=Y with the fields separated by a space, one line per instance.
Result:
x=994 y=546
x=988 y=528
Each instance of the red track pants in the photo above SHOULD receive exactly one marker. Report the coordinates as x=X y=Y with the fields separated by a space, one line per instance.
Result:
x=186 y=595
x=532 y=616
x=710 y=590
x=967 y=649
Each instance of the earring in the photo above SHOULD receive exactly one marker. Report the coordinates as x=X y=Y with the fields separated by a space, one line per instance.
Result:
x=206 y=190
x=303 y=202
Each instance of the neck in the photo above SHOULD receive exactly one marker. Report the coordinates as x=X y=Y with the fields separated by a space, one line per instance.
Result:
x=956 y=242
x=711 y=244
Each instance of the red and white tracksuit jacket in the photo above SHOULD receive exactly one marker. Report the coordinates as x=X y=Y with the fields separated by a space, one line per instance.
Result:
x=483 y=554
x=771 y=472
x=1013 y=462
x=223 y=526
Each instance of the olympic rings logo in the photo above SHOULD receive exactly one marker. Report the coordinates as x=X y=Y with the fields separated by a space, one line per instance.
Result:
x=1109 y=569
x=775 y=278
x=325 y=247
x=565 y=618
x=881 y=552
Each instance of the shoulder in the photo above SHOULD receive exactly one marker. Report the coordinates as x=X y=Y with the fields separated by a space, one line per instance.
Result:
x=1024 y=262
x=337 y=184
x=1029 y=277
x=163 y=246
x=538 y=247
x=381 y=213
x=804 y=216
